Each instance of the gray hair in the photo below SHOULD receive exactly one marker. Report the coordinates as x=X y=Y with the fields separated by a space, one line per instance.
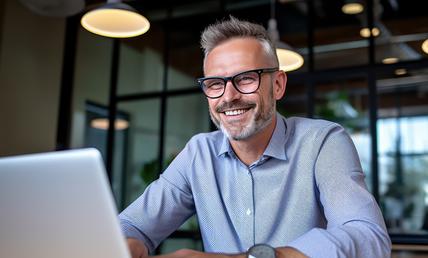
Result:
x=222 y=31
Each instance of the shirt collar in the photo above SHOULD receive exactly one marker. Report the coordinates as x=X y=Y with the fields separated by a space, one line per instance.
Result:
x=275 y=148
x=225 y=146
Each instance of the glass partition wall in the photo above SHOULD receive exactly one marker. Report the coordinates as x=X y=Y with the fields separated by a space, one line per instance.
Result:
x=149 y=82
x=403 y=150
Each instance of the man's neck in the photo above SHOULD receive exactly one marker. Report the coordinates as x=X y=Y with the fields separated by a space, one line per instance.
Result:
x=250 y=150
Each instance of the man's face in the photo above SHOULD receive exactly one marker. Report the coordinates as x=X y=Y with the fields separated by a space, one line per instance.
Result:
x=238 y=115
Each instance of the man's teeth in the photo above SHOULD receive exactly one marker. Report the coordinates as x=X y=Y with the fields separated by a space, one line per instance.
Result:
x=234 y=112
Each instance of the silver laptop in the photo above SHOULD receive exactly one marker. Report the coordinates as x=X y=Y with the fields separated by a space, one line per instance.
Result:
x=58 y=205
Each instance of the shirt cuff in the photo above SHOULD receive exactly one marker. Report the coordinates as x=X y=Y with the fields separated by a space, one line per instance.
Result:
x=315 y=244
x=131 y=232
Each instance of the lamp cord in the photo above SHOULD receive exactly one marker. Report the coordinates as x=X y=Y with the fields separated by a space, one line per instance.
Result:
x=272 y=9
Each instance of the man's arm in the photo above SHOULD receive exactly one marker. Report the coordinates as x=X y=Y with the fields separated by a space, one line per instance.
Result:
x=165 y=205
x=355 y=226
x=169 y=208
x=282 y=252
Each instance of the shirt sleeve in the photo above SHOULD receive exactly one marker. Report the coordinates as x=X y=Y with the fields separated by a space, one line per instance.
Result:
x=355 y=226
x=165 y=205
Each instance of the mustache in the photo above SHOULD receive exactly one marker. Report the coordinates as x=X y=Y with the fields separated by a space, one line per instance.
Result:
x=236 y=104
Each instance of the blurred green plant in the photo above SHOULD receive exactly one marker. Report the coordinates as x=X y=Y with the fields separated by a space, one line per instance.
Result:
x=150 y=170
x=338 y=108
x=404 y=194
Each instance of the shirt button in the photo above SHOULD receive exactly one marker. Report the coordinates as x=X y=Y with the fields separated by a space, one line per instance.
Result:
x=248 y=212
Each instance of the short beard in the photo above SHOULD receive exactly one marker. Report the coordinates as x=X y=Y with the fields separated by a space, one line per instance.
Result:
x=262 y=119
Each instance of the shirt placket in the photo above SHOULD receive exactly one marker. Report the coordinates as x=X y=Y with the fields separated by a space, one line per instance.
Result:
x=244 y=199
x=251 y=207
x=251 y=212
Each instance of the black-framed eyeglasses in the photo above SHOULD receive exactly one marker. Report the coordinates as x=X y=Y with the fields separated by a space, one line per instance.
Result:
x=246 y=82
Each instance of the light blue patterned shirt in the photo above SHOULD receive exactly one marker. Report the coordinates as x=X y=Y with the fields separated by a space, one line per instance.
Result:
x=307 y=191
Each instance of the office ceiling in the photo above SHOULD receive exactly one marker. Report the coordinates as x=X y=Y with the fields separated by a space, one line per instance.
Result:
x=403 y=25
x=336 y=38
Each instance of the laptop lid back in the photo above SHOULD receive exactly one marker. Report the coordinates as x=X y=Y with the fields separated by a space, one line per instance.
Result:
x=58 y=205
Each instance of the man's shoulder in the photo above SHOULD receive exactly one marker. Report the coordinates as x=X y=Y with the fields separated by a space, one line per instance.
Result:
x=310 y=123
x=308 y=135
x=199 y=148
x=301 y=126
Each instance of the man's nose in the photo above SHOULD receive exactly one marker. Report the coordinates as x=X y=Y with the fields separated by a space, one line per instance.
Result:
x=230 y=92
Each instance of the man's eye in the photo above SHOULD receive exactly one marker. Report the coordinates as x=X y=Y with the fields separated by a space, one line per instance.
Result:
x=245 y=79
x=213 y=85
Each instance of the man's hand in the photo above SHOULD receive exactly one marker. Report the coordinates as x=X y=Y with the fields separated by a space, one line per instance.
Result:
x=289 y=252
x=187 y=253
x=137 y=248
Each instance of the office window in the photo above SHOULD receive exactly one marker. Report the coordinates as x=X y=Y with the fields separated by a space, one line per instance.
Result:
x=91 y=80
x=141 y=63
x=186 y=116
x=294 y=102
x=184 y=55
x=403 y=148
x=143 y=147
x=403 y=162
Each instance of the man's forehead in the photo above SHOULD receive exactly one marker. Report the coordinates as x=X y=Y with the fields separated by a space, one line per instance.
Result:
x=234 y=55
x=238 y=42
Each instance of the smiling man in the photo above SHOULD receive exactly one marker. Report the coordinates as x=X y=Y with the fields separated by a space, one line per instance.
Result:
x=263 y=185
x=242 y=104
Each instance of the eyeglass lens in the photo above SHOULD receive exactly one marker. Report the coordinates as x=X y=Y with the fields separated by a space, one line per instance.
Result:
x=246 y=82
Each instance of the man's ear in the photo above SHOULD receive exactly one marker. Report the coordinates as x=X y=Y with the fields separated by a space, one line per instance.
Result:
x=280 y=84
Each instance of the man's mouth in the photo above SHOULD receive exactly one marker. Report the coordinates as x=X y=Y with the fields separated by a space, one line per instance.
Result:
x=235 y=112
x=234 y=108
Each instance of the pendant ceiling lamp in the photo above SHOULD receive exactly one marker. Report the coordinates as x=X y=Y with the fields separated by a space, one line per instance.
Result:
x=425 y=46
x=289 y=60
x=103 y=124
x=116 y=20
x=352 y=7
x=365 y=32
